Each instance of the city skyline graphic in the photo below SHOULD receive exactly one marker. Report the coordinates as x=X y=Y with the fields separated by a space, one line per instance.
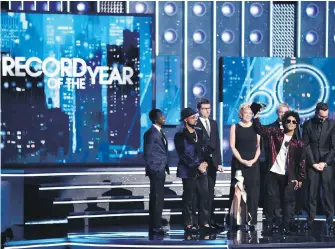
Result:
x=103 y=123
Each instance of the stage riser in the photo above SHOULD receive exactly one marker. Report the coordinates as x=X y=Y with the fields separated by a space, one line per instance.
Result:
x=33 y=212
x=46 y=210
x=87 y=179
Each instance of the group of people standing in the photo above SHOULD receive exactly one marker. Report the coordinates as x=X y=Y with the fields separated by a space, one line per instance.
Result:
x=289 y=160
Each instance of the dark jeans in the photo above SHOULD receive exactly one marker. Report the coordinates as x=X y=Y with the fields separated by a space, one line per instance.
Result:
x=192 y=187
x=282 y=193
x=156 y=202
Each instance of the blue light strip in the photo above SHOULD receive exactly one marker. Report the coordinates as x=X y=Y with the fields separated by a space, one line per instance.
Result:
x=185 y=54
x=242 y=27
x=299 y=29
x=214 y=62
x=327 y=28
x=271 y=29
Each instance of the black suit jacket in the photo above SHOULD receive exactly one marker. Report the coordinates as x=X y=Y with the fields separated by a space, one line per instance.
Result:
x=212 y=142
x=155 y=151
x=320 y=147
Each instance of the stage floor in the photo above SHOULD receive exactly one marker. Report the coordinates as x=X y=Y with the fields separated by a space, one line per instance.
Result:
x=57 y=236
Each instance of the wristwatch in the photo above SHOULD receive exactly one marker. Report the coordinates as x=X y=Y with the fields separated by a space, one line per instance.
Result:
x=326 y=165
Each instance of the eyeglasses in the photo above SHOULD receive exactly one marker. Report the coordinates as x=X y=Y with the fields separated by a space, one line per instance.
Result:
x=291 y=121
x=194 y=117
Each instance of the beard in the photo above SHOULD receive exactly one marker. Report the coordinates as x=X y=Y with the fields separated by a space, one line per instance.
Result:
x=191 y=125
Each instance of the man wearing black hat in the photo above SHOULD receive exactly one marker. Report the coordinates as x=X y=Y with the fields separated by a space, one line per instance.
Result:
x=192 y=168
x=156 y=159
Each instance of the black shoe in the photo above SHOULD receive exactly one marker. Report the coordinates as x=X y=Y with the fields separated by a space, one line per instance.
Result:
x=285 y=231
x=160 y=230
x=330 y=225
x=251 y=228
x=217 y=226
x=308 y=225
x=192 y=230
x=207 y=229
x=294 y=227
x=268 y=230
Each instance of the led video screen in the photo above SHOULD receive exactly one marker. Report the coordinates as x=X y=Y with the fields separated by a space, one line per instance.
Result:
x=299 y=82
x=75 y=89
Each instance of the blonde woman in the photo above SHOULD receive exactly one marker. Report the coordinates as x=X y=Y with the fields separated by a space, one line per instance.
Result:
x=244 y=143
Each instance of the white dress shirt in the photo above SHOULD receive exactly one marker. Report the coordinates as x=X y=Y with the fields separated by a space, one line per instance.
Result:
x=203 y=121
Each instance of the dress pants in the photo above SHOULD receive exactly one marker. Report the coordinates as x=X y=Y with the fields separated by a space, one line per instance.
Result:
x=324 y=179
x=192 y=187
x=280 y=191
x=211 y=176
x=156 y=198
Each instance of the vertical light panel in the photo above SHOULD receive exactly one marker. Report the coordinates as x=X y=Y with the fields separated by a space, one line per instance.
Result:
x=313 y=29
x=331 y=29
x=200 y=52
x=283 y=29
x=29 y=5
x=185 y=55
x=16 y=5
x=228 y=36
x=257 y=28
x=41 y=6
x=214 y=102
x=170 y=44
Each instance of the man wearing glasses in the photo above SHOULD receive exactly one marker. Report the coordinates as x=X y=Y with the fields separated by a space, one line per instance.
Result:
x=212 y=152
x=286 y=169
x=319 y=138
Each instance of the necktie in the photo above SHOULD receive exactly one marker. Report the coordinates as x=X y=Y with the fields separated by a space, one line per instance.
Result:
x=207 y=128
x=164 y=137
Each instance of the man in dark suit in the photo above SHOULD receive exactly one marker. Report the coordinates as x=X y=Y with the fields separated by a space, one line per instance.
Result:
x=319 y=139
x=212 y=152
x=156 y=159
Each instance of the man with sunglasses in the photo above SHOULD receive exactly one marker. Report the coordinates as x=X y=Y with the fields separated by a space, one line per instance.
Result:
x=319 y=138
x=286 y=170
x=192 y=168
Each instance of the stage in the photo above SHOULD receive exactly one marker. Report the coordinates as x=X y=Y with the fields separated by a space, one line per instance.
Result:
x=126 y=236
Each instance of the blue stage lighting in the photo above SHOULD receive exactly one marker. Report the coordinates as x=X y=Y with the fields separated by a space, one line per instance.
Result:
x=312 y=10
x=199 y=9
x=199 y=63
x=141 y=7
x=170 y=36
x=227 y=36
x=256 y=37
x=256 y=10
x=170 y=8
x=227 y=9
x=199 y=90
x=199 y=36
x=312 y=37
